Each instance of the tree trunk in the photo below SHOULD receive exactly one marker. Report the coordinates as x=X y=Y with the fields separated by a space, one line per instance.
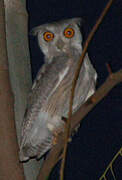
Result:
x=10 y=168
x=19 y=67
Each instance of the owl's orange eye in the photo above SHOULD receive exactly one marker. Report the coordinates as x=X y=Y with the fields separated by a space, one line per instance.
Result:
x=48 y=36
x=69 y=32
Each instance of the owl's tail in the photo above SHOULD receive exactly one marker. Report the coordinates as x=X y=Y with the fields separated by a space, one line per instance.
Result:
x=38 y=139
x=29 y=150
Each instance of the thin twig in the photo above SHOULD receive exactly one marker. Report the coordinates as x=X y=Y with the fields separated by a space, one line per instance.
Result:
x=76 y=118
x=67 y=129
x=105 y=178
x=112 y=171
x=110 y=165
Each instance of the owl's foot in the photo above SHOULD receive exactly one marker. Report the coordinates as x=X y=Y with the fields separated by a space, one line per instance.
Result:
x=55 y=135
x=54 y=141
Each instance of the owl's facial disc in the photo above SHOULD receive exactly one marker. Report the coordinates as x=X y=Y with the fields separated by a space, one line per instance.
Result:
x=56 y=39
x=61 y=44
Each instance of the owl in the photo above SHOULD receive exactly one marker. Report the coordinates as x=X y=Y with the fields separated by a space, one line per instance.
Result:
x=48 y=101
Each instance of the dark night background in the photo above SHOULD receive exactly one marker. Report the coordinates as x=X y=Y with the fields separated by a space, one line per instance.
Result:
x=100 y=135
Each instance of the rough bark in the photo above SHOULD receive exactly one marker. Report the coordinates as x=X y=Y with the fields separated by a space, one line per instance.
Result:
x=19 y=67
x=10 y=168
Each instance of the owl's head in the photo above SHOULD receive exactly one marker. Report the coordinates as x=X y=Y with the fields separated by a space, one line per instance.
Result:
x=59 y=37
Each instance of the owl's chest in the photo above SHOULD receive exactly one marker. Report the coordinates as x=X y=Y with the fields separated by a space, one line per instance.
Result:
x=58 y=99
x=54 y=89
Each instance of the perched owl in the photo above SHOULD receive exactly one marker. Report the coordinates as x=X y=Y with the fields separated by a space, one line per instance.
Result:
x=48 y=100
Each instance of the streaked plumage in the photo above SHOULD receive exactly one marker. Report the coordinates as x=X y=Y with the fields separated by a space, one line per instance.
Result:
x=48 y=101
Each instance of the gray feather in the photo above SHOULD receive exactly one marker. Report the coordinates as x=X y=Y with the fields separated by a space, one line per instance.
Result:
x=48 y=100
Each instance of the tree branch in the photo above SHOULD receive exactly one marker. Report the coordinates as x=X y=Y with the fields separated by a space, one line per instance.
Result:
x=54 y=154
x=68 y=124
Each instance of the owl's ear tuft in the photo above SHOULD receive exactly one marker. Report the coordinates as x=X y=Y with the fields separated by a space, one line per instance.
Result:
x=78 y=21
x=35 y=31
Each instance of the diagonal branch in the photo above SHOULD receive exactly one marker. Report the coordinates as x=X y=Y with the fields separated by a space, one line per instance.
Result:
x=54 y=154
x=68 y=124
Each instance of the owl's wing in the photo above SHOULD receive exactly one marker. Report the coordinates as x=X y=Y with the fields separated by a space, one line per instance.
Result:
x=32 y=97
x=39 y=75
x=85 y=86
x=47 y=80
x=92 y=76
x=86 y=83
x=46 y=83
x=36 y=136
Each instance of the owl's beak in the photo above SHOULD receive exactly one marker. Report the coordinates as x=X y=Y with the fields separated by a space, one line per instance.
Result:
x=60 y=44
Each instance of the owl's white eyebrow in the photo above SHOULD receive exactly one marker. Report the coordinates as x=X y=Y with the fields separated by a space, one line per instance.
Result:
x=69 y=25
x=50 y=28
x=45 y=30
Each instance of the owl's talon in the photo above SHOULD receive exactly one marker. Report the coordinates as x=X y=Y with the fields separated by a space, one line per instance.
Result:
x=54 y=141
x=55 y=136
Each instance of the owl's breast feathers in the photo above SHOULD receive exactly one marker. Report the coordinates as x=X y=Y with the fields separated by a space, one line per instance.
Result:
x=49 y=101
